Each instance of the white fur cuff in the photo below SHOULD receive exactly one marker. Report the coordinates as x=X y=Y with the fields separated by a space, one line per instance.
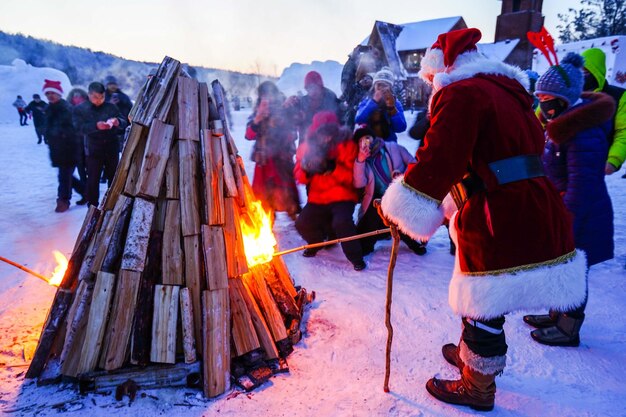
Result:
x=416 y=215
x=561 y=287
x=485 y=366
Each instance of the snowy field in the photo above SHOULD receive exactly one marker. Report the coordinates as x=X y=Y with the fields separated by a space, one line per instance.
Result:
x=338 y=367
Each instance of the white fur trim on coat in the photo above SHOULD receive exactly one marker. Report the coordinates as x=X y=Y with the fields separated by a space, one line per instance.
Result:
x=560 y=287
x=415 y=214
x=485 y=366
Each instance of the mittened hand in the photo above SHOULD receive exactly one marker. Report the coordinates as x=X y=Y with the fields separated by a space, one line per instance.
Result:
x=609 y=169
x=103 y=126
x=390 y=101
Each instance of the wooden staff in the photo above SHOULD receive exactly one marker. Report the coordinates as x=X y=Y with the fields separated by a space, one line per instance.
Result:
x=23 y=268
x=332 y=242
x=392 y=264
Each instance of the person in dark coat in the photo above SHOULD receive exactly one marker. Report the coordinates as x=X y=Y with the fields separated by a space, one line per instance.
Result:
x=376 y=165
x=37 y=110
x=575 y=155
x=354 y=96
x=317 y=99
x=382 y=111
x=116 y=96
x=75 y=97
x=325 y=163
x=272 y=127
x=20 y=104
x=101 y=123
x=63 y=143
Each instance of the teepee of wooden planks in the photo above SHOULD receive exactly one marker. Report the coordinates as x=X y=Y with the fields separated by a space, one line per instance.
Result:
x=158 y=287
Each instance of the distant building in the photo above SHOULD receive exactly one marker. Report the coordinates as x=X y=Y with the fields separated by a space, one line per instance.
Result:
x=518 y=17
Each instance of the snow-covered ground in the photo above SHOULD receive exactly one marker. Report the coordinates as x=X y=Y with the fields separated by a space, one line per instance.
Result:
x=338 y=367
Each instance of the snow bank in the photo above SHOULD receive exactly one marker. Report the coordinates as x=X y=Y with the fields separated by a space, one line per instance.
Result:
x=24 y=80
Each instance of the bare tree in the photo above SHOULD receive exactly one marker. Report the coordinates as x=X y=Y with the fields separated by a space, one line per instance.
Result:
x=597 y=18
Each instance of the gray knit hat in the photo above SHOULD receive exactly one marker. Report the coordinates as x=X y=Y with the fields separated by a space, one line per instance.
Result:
x=564 y=81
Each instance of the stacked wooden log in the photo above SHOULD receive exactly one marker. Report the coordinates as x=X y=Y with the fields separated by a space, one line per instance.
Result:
x=158 y=288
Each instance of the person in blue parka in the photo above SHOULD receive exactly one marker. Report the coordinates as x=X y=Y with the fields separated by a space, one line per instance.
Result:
x=574 y=158
x=381 y=111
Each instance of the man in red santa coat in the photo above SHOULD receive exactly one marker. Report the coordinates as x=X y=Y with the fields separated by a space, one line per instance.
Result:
x=514 y=238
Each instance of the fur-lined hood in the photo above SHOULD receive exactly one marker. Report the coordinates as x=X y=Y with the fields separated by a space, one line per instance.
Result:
x=596 y=109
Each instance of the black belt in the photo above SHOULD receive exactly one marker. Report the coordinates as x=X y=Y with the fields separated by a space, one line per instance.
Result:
x=506 y=171
x=517 y=168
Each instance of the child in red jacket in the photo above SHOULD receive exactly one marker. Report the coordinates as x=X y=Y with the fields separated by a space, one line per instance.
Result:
x=324 y=163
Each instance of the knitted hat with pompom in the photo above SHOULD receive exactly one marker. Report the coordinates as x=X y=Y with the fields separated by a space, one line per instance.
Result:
x=564 y=81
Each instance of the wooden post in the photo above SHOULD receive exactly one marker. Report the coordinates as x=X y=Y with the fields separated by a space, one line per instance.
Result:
x=76 y=323
x=230 y=237
x=189 y=180
x=268 y=306
x=131 y=179
x=217 y=182
x=155 y=158
x=98 y=313
x=123 y=205
x=136 y=137
x=188 y=111
x=208 y=174
x=262 y=331
x=141 y=337
x=186 y=313
x=215 y=257
x=136 y=246
x=173 y=256
x=164 y=321
x=119 y=327
x=229 y=175
x=216 y=353
x=203 y=98
x=158 y=94
x=244 y=333
x=172 y=191
x=194 y=280
x=285 y=277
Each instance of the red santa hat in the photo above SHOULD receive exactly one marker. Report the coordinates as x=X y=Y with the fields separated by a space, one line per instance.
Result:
x=444 y=52
x=53 y=87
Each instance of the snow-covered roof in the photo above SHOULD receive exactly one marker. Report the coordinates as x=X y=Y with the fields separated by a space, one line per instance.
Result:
x=498 y=50
x=421 y=35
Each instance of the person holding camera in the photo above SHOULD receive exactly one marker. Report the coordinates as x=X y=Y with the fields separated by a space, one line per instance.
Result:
x=272 y=127
x=325 y=163
x=376 y=165
x=382 y=111
x=101 y=123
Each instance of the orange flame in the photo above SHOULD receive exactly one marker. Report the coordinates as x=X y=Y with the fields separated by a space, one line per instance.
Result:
x=258 y=239
x=59 y=270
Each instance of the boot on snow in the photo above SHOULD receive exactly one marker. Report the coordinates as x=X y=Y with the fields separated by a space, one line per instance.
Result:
x=474 y=390
x=564 y=333
x=541 y=321
x=62 y=205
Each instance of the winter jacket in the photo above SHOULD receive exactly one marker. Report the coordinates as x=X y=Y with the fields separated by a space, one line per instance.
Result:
x=61 y=136
x=123 y=101
x=378 y=119
x=86 y=116
x=574 y=158
x=333 y=186
x=37 y=109
x=595 y=64
x=329 y=102
x=19 y=104
x=398 y=158
x=515 y=243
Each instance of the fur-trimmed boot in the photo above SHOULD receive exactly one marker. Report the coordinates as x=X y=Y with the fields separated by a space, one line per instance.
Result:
x=541 y=321
x=450 y=353
x=565 y=333
x=474 y=390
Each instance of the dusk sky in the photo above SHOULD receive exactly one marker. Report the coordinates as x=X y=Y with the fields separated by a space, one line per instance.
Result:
x=240 y=35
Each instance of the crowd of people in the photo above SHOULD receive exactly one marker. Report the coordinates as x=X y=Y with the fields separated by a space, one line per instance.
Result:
x=510 y=159
x=84 y=133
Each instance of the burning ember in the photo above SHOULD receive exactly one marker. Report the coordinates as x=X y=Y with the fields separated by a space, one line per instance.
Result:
x=59 y=270
x=258 y=239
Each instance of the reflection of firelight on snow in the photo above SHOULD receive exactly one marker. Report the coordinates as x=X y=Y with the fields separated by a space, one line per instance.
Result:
x=59 y=270
x=258 y=239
